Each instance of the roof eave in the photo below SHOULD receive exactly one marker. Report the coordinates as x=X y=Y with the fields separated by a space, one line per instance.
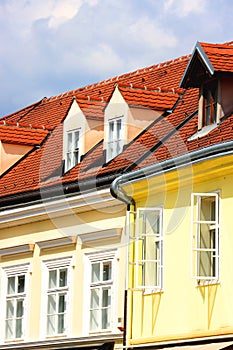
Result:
x=200 y=53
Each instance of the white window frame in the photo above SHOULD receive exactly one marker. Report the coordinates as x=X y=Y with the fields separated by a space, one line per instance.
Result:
x=114 y=141
x=140 y=261
x=73 y=149
x=90 y=259
x=15 y=271
x=196 y=240
x=49 y=265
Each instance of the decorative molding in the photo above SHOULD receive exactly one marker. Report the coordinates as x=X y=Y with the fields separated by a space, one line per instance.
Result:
x=65 y=205
x=111 y=233
x=18 y=249
x=57 y=242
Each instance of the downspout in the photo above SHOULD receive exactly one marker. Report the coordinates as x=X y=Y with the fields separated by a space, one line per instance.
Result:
x=211 y=152
x=119 y=194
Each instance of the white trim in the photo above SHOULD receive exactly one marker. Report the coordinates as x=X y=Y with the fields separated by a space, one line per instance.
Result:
x=195 y=248
x=159 y=287
x=47 y=265
x=13 y=271
x=83 y=202
x=99 y=257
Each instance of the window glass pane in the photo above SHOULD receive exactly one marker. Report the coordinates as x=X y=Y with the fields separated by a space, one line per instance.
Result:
x=51 y=325
x=105 y=318
x=106 y=297
x=11 y=285
x=95 y=273
x=118 y=128
x=21 y=283
x=19 y=308
x=18 y=327
x=94 y=298
x=76 y=156
x=76 y=139
x=69 y=141
x=9 y=309
x=62 y=303
x=63 y=278
x=94 y=323
x=52 y=279
x=111 y=131
x=61 y=323
x=150 y=277
x=9 y=329
x=107 y=271
x=51 y=303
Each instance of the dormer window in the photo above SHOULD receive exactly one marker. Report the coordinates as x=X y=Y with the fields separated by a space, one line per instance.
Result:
x=209 y=106
x=210 y=100
x=115 y=137
x=73 y=148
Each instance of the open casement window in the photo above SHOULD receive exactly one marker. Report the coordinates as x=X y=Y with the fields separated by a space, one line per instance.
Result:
x=210 y=100
x=149 y=248
x=101 y=294
x=205 y=236
x=16 y=287
x=73 y=148
x=115 y=137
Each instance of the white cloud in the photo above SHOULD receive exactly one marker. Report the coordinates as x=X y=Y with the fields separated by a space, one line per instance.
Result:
x=150 y=34
x=26 y=12
x=183 y=8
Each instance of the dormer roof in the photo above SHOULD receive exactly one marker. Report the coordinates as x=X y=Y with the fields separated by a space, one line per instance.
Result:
x=206 y=62
x=22 y=134
x=159 y=99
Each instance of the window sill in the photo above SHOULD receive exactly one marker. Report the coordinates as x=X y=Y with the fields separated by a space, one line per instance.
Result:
x=203 y=132
x=205 y=283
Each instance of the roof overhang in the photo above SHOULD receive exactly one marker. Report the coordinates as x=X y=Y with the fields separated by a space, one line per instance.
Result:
x=198 y=68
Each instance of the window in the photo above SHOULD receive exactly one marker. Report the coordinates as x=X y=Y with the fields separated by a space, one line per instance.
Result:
x=15 y=291
x=115 y=137
x=73 y=148
x=149 y=248
x=57 y=291
x=210 y=98
x=205 y=236
x=101 y=293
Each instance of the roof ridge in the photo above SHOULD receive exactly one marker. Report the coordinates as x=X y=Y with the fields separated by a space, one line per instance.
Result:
x=24 y=125
x=31 y=106
x=76 y=96
x=149 y=88
x=83 y=88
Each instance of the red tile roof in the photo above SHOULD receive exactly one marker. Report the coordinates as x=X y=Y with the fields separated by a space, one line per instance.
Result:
x=22 y=135
x=220 y=56
x=166 y=137
x=156 y=99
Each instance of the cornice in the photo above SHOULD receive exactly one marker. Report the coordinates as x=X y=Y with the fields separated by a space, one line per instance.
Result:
x=62 y=206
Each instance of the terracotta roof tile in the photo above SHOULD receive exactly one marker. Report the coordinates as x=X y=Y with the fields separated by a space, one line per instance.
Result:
x=12 y=133
x=220 y=56
x=154 y=99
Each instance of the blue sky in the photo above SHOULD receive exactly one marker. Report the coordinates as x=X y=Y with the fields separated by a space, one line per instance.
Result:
x=49 y=47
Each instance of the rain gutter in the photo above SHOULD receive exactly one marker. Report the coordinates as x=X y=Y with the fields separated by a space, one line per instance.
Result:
x=207 y=153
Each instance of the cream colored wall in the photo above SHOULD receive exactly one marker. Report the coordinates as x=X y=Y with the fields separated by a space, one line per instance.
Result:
x=94 y=133
x=75 y=119
x=75 y=224
x=136 y=119
x=183 y=309
x=10 y=154
x=139 y=119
